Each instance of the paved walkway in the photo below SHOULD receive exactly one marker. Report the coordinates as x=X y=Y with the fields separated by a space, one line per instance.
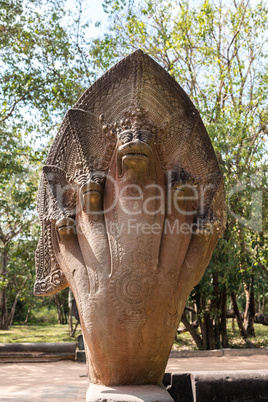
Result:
x=66 y=380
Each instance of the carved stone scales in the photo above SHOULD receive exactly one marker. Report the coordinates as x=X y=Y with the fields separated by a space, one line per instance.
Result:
x=131 y=205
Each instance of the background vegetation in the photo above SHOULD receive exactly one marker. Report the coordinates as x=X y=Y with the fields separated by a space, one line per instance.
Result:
x=217 y=51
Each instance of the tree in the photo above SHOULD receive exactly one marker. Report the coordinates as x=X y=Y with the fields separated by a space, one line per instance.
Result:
x=18 y=185
x=42 y=66
x=61 y=300
x=42 y=74
x=217 y=53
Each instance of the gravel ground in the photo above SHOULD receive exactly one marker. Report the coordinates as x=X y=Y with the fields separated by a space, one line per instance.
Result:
x=66 y=380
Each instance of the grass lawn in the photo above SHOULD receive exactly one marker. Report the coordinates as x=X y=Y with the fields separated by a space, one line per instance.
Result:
x=260 y=340
x=41 y=332
x=185 y=341
x=45 y=332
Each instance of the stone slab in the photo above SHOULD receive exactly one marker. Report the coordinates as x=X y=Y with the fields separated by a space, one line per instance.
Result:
x=221 y=386
x=236 y=386
x=53 y=347
x=36 y=352
x=138 y=393
x=212 y=363
x=245 y=352
x=218 y=352
x=32 y=357
x=195 y=353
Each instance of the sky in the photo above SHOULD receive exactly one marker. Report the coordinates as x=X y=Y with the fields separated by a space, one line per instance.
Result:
x=93 y=11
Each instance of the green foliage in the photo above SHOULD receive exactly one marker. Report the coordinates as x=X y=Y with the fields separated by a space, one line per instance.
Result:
x=18 y=187
x=218 y=54
x=42 y=73
x=44 y=313
x=43 y=69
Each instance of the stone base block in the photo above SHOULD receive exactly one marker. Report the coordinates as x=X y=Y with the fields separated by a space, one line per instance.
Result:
x=81 y=356
x=220 y=386
x=135 y=393
x=231 y=386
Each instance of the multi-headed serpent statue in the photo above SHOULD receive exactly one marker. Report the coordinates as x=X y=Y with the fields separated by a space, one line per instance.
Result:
x=131 y=204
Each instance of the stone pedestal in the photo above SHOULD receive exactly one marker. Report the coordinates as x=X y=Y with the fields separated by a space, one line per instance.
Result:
x=137 y=393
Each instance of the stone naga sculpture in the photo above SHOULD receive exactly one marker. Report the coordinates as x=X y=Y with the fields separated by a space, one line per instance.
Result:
x=131 y=204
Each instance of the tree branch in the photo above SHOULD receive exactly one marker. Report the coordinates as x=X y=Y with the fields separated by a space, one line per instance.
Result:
x=262 y=266
x=13 y=108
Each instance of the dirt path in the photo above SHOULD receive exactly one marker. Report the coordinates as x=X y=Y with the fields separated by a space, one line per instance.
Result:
x=66 y=381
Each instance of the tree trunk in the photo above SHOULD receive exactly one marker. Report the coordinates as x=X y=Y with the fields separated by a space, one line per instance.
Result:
x=233 y=324
x=250 y=328
x=12 y=312
x=28 y=314
x=72 y=328
x=250 y=306
x=212 y=317
x=223 y=330
x=192 y=331
x=70 y=316
x=181 y=330
x=72 y=334
x=215 y=306
x=60 y=309
x=263 y=304
x=238 y=316
x=202 y=323
x=4 y=317
x=243 y=333
x=248 y=323
x=209 y=331
x=3 y=303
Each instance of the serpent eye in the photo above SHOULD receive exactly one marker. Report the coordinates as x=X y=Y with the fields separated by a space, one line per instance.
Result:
x=125 y=137
x=144 y=136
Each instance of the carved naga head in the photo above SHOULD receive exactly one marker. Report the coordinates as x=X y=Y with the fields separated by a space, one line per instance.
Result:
x=131 y=204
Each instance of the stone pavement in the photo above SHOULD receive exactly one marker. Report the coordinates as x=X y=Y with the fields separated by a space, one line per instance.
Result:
x=66 y=380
